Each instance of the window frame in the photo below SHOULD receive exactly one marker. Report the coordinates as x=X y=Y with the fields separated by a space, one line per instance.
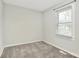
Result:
x=72 y=16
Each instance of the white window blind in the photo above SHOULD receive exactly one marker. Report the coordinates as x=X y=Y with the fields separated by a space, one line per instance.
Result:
x=65 y=22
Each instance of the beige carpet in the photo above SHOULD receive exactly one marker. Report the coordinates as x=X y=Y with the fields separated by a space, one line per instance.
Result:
x=34 y=50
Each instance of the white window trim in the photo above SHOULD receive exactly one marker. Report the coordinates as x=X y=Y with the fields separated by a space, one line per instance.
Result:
x=73 y=5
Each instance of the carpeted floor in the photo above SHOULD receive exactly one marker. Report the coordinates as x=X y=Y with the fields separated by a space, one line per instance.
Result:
x=35 y=50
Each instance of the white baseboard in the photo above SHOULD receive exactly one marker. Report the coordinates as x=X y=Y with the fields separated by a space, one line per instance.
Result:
x=21 y=43
x=74 y=54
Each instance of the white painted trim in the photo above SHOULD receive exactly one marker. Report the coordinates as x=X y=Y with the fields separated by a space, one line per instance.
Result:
x=20 y=43
x=74 y=54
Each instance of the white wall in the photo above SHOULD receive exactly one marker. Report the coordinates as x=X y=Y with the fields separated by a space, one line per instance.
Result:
x=67 y=44
x=22 y=26
x=0 y=21
x=77 y=25
x=1 y=26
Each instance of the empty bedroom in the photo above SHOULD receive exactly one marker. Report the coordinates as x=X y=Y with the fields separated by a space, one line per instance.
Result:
x=39 y=28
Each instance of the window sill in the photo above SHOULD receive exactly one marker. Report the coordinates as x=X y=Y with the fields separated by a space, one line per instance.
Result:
x=64 y=36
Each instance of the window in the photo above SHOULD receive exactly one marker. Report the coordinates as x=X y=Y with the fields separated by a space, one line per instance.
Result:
x=65 y=22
